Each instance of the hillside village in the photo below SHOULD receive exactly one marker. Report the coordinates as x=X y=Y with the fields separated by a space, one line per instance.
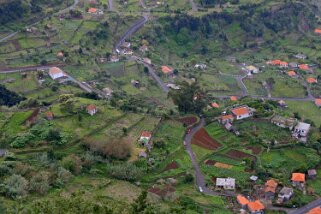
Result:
x=99 y=105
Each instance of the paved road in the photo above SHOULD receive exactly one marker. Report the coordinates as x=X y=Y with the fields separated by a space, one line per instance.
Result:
x=33 y=24
x=131 y=30
x=110 y=5
x=200 y=180
x=306 y=208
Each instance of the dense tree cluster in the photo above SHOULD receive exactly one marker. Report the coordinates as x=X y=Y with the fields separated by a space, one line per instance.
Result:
x=9 y=98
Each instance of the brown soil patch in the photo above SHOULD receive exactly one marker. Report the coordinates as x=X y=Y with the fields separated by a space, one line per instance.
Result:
x=188 y=121
x=235 y=154
x=210 y=162
x=162 y=192
x=172 y=165
x=202 y=139
x=223 y=165
x=255 y=149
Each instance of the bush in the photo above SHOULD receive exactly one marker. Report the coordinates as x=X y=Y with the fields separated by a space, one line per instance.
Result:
x=63 y=176
x=15 y=186
x=125 y=171
x=73 y=163
x=39 y=183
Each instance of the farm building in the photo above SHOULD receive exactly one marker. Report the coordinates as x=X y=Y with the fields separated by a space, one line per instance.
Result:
x=256 y=207
x=270 y=189
x=285 y=194
x=91 y=109
x=284 y=122
x=242 y=112
x=225 y=183
x=298 y=180
x=301 y=131
x=56 y=73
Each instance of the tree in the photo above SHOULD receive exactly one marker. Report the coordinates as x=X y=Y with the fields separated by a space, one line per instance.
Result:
x=189 y=98
x=16 y=186
x=140 y=205
x=39 y=183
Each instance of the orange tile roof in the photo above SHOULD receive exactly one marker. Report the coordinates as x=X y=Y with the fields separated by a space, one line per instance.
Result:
x=92 y=10
x=49 y=114
x=91 y=107
x=227 y=117
x=255 y=206
x=242 y=200
x=311 y=80
x=304 y=67
x=298 y=177
x=291 y=73
x=55 y=70
x=240 y=111
x=318 y=31
x=316 y=210
x=233 y=98
x=270 y=186
x=284 y=63
x=146 y=134
x=215 y=105
x=318 y=102
x=276 y=62
x=166 y=69
x=60 y=54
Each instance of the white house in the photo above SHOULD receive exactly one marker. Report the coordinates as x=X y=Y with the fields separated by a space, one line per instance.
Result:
x=91 y=109
x=56 y=73
x=200 y=66
x=301 y=131
x=285 y=194
x=242 y=112
x=252 y=69
x=145 y=137
x=225 y=183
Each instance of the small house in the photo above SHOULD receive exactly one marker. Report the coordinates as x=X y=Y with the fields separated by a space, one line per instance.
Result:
x=147 y=61
x=92 y=10
x=285 y=194
x=225 y=183
x=301 y=131
x=91 y=109
x=173 y=86
x=142 y=154
x=200 y=66
x=283 y=64
x=298 y=180
x=3 y=152
x=60 y=55
x=317 y=102
x=282 y=104
x=252 y=69
x=233 y=98
x=167 y=69
x=135 y=83
x=293 y=65
x=242 y=112
x=300 y=56
x=243 y=201
x=108 y=92
x=56 y=73
x=304 y=67
x=215 y=105
x=254 y=178
x=270 y=189
x=145 y=137
x=312 y=173
x=317 y=31
x=312 y=80
x=128 y=51
x=284 y=122
x=126 y=45
x=226 y=119
x=291 y=74
x=228 y=126
x=256 y=207
x=316 y=210
x=114 y=58
x=49 y=115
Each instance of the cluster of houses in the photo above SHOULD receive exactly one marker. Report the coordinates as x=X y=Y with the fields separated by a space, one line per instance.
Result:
x=270 y=189
x=237 y=113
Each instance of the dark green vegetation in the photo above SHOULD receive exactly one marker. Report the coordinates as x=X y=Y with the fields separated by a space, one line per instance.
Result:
x=9 y=98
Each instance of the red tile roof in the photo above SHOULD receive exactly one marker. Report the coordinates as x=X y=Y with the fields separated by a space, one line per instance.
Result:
x=255 y=206
x=49 y=114
x=298 y=177
x=227 y=117
x=304 y=67
x=284 y=63
x=215 y=105
x=270 y=186
x=233 y=98
x=242 y=200
x=318 y=102
x=291 y=73
x=240 y=111
x=311 y=80
x=316 y=210
x=318 y=31
x=146 y=134
x=167 y=69
x=92 y=10
x=91 y=107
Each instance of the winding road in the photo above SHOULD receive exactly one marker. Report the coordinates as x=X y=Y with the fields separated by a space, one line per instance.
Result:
x=71 y=7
